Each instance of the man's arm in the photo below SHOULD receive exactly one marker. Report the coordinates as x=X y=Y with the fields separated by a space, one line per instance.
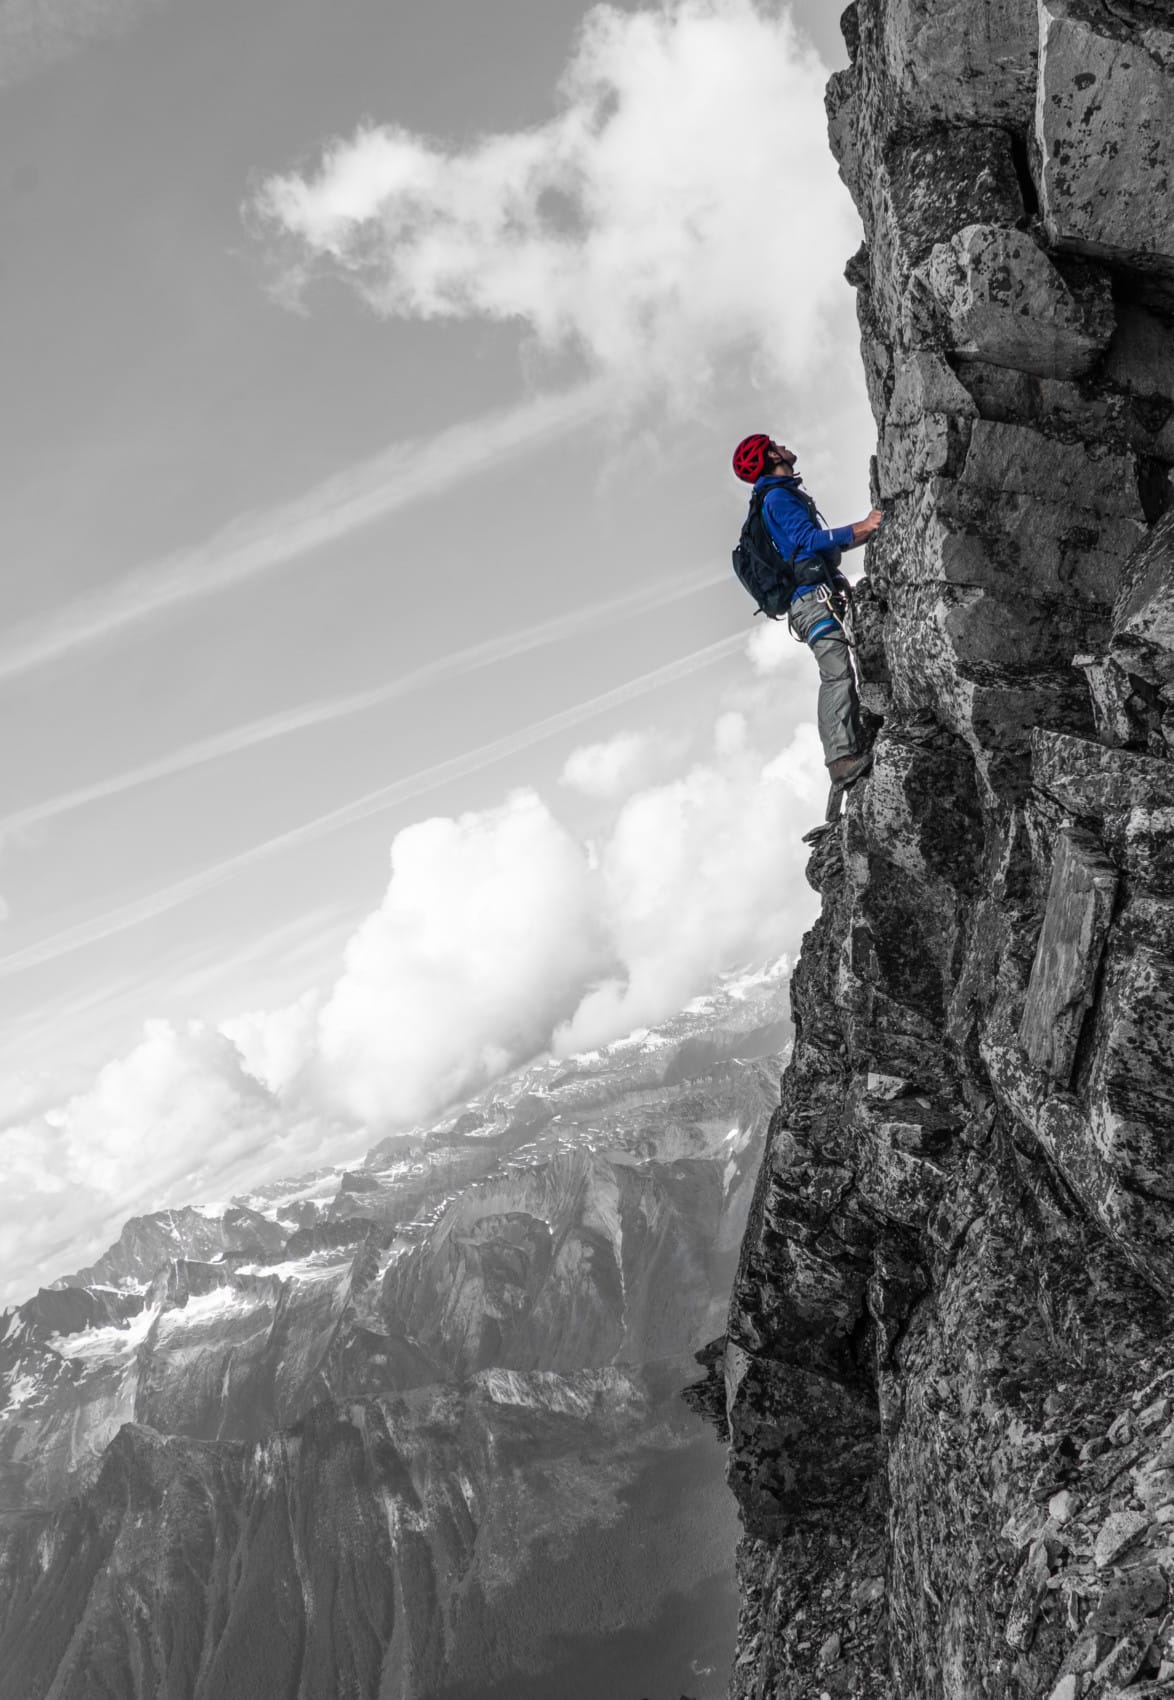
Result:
x=795 y=534
x=864 y=529
x=861 y=532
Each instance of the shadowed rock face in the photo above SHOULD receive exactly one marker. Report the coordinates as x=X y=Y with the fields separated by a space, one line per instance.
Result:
x=411 y=1429
x=322 y=1561
x=947 y=1375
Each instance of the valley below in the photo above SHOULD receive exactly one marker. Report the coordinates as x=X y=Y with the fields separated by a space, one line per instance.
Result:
x=409 y=1429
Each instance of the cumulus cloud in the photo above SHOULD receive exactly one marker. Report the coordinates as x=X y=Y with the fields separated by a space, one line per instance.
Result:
x=274 y=1043
x=483 y=941
x=700 y=874
x=771 y=648
x=179 y=1118
x=681 y=203
x=500 y=934
x=616 y=766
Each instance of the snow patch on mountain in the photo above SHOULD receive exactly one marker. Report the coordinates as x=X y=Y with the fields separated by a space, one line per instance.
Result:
x=98 y=1345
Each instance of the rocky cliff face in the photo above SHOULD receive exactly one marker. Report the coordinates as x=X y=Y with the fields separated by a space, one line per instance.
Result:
x=412 y=1429
x=949 y=1370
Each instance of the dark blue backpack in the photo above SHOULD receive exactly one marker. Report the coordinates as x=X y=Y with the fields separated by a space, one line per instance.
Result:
x=761 y=565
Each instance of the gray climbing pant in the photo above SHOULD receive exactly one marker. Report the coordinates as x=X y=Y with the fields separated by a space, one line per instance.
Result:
x=838 y=713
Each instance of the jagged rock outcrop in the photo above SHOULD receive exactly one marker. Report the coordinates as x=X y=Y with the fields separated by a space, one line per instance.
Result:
x=949 y=1369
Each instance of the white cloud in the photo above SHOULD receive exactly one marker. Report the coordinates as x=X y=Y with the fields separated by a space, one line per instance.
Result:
x=681 y=203
x=177 y=1119
x=771 y=647
x=700 y=874
x=500 y=934
x=274 y=1043
x=483 y=942
x=617 y=766
x=729 y=734
x=166 y=1097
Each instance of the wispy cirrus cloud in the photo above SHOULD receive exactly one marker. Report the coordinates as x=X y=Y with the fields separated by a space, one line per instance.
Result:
x=404 y=790
x=456 y=664
x=266 y=542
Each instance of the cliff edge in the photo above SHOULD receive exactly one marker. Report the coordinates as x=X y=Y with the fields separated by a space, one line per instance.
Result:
x=949 y=1368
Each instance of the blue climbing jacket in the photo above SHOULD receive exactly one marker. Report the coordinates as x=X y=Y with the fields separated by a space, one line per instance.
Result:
x=791 y=516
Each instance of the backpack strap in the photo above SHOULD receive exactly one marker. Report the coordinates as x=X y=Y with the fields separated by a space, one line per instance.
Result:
x=760 y=496
x=826 y=571
x=754 y=512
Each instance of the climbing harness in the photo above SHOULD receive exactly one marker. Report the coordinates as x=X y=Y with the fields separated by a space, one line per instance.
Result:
x=838 y=604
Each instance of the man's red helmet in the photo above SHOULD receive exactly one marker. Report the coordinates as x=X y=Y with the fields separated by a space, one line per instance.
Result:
x=750 y=457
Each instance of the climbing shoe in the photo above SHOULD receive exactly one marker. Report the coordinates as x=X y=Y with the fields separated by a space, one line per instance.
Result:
x=845 y=769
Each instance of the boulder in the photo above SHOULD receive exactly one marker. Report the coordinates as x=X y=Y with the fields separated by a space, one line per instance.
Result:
x=1091 y=781
x=909 y=454
x=953 y=61
x=1005 y=300
x=917 y=193
x=955 y=532
x=1104 y=133
x=1017 y=460
x=926 y=384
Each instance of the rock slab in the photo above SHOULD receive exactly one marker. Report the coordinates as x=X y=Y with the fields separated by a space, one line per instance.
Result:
x=1063 y=976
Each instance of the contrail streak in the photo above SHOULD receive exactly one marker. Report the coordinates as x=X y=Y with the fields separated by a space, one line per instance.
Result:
x=374 y=802
x=333 y=509
x=457 y=663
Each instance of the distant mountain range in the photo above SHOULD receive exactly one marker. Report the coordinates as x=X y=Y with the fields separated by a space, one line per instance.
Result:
x=409 y=1430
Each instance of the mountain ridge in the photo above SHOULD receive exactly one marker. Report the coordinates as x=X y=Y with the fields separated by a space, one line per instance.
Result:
x=440 y=1389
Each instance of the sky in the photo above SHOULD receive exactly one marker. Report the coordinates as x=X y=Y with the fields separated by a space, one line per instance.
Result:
x=378 y=705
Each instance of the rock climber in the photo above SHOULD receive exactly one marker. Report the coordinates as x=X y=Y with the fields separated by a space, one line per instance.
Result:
x=813 y=553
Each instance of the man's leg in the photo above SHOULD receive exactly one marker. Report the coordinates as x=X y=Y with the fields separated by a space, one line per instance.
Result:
x=838 y=711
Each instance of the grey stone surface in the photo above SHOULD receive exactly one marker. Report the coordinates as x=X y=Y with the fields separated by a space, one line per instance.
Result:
x=909 y=454
x=916 y=192
x=1064 y=974
x=1104 y=128
x=1119 y=1530
x=1141 y=357
x=1143 y=843
x=926 y=384
x=950 y=59
x=1009 y=459
x=1143 y=623
x=961 y=1257
x=1109 y=690
x=1004 y=298
x=1131 y=1080
x=1091 y=781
